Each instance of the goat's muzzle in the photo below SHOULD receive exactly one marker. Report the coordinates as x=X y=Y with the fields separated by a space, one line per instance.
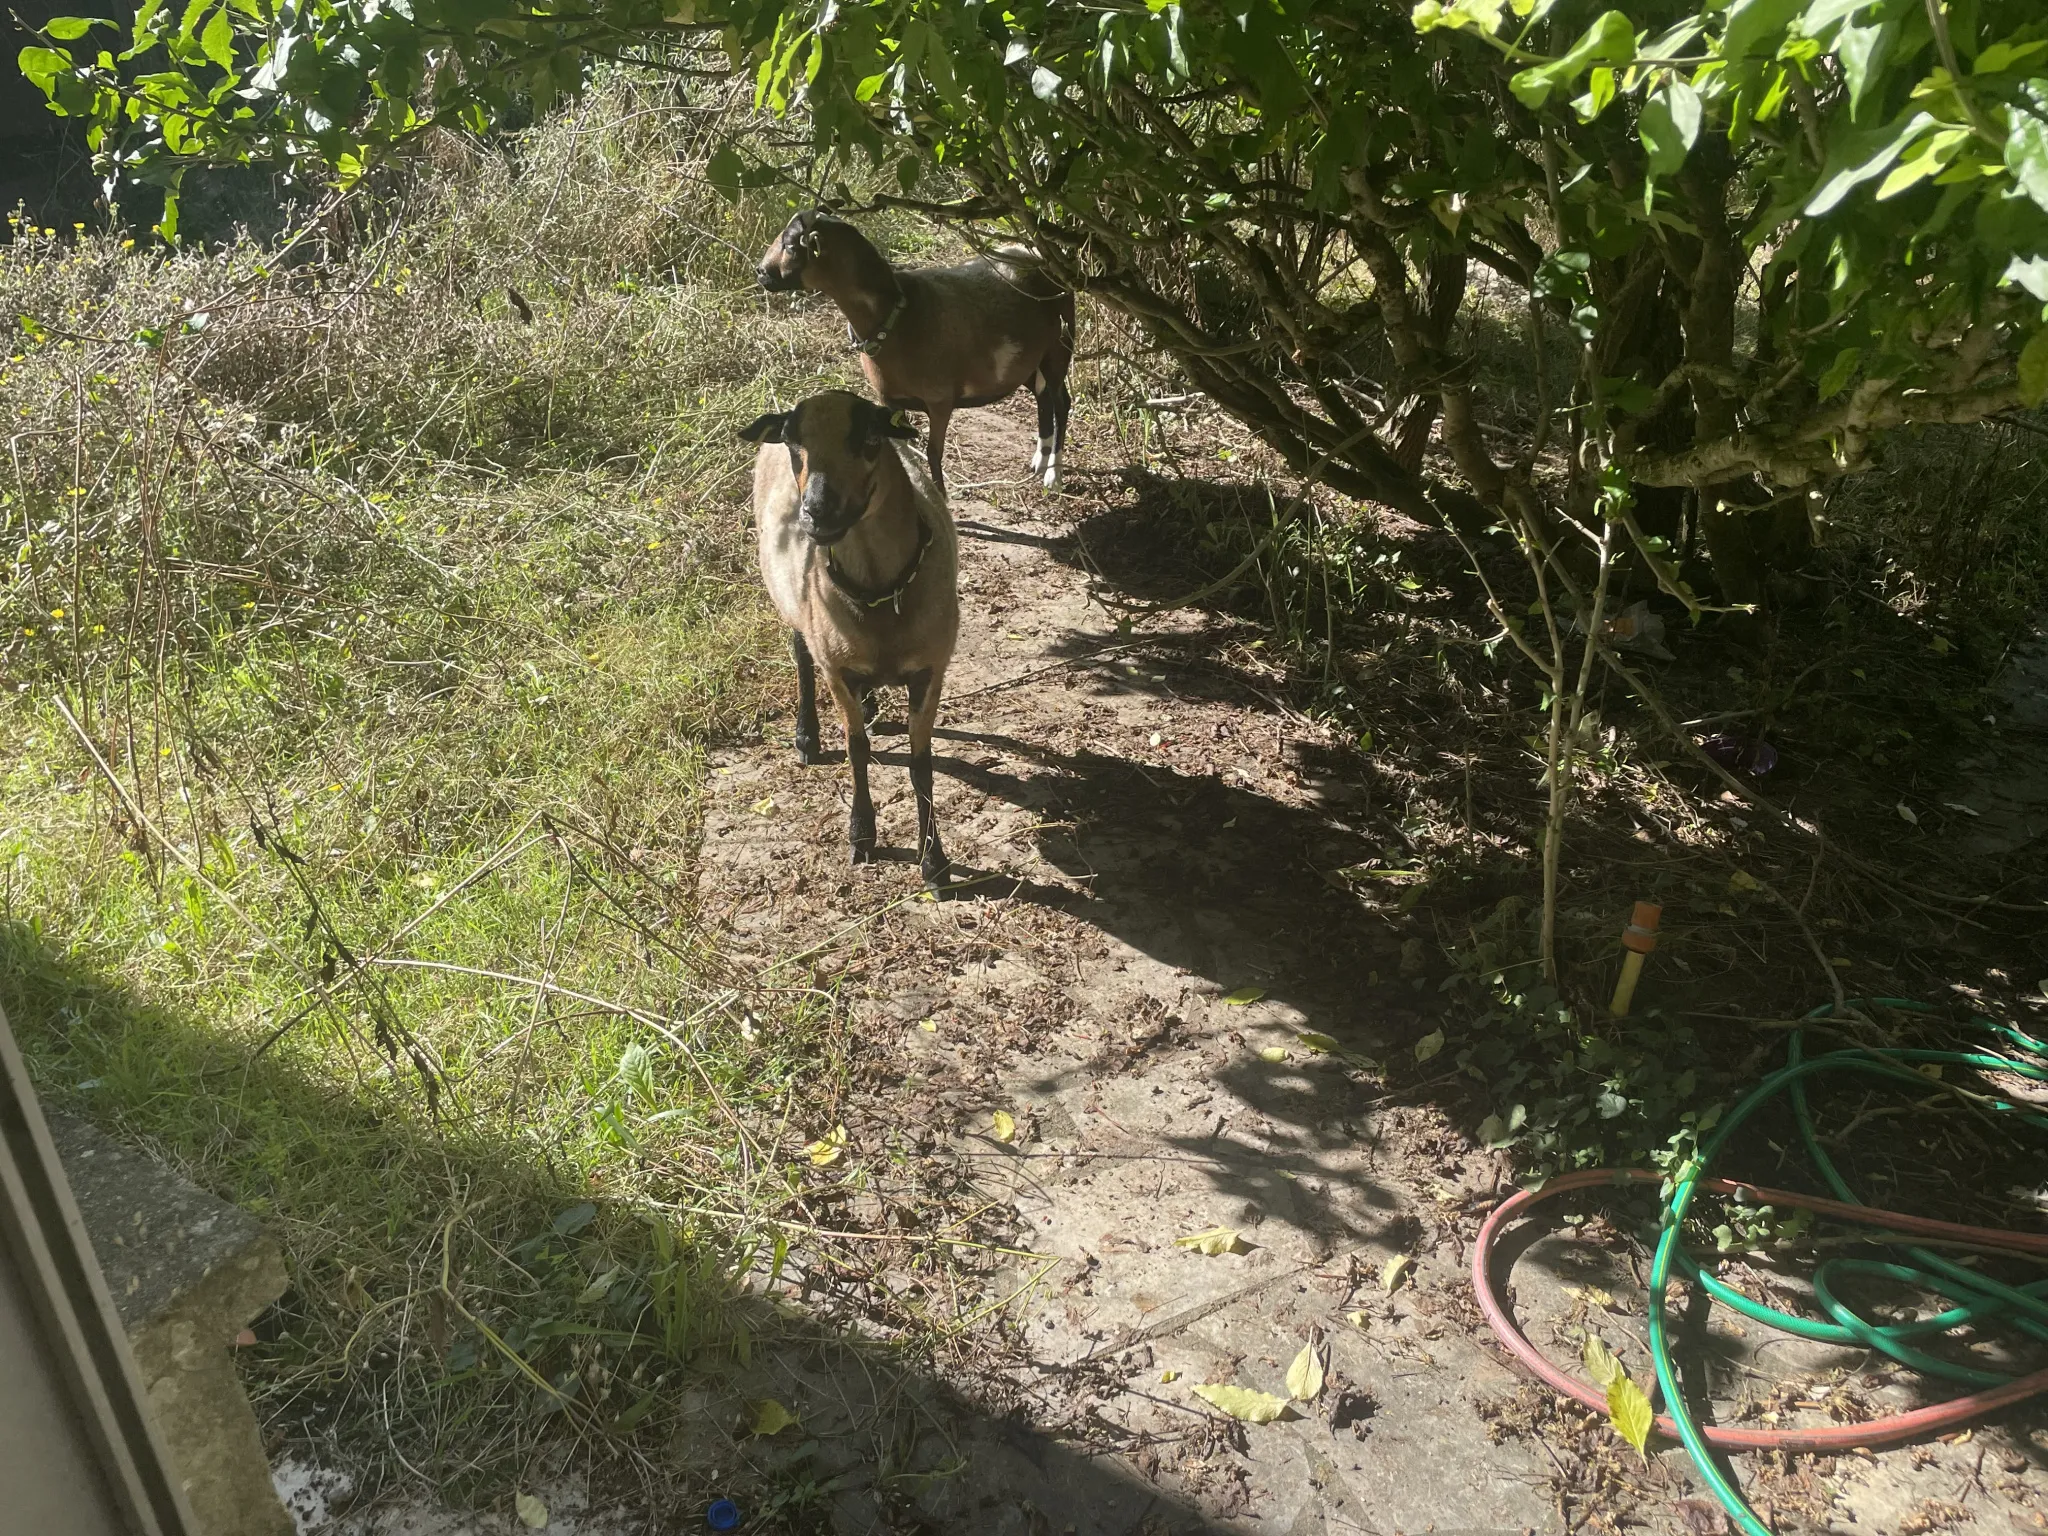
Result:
x=774 y=280
x=825 y=517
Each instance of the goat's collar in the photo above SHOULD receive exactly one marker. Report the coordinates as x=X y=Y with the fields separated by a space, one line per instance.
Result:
x=861 y=343
x=891 y=595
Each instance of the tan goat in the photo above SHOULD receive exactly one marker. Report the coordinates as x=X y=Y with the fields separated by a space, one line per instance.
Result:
x=940 y=338
x=860 y=559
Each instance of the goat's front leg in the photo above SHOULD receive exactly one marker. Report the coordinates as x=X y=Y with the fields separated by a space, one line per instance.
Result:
x=924 y=711
x=935 y=445
x=806 y=700
x=860 y=821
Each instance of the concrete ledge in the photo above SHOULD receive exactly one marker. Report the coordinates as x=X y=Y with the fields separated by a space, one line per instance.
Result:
x=187 y=1273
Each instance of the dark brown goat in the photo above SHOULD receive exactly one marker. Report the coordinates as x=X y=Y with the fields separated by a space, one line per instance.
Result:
x=940 y=338
x=861 y=561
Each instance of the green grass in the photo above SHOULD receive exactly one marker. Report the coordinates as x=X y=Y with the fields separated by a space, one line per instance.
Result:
x=361 y=646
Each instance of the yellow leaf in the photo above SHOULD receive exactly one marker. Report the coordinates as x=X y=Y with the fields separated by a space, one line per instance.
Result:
x=1243 y=996
x=1305 y=1376
x=1006 y=1127
x=532 y=1513
x=1601 y=1366
x=1273 y=1053
x=1214 y=1242
x=1356 y=1319
x=1317 y=1041
x=1743 y=880
x=1167 y=1376
x=1429 y=1045
x=1591 y=1295
x=1243 y=1403
x=929 y=1026
x=1629 y=1411
x=764 y=805
x=826 y=1150
x=771 y=1418
x=1395 y=1272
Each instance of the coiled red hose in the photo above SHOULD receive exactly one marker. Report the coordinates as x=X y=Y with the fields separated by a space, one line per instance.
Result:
x=1900 y=1427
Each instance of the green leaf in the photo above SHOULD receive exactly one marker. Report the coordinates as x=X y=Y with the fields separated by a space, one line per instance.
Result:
x=575 y=1219
x=723 y=170
x=1429 y=1045
x=67 y=29
x=2026 y=149
x=1669 y=126
x=1045 y=85
x=2034 y=369
x=1994 y=60
x=1610 y=40
x=1864 y=52
x=42 y=66
x=1630 y=1413
x=1840 y=371
x=2031 y=273
x=1754 y=22
x=1935 y=153
x=1243 y=997
x=218 y=38
x=1243 y=1403
x=1845 y=181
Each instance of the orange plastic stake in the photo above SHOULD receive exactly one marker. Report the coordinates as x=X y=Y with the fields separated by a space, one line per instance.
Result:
x=1638 y=938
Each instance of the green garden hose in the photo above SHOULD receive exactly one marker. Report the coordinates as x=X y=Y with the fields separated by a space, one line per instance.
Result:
x=1978 y=1298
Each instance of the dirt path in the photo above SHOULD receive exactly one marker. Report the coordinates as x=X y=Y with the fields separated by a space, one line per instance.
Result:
x=1152 y=841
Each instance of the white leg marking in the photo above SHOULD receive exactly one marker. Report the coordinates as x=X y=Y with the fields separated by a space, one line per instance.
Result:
x=1052 y=467
x=1042 y=455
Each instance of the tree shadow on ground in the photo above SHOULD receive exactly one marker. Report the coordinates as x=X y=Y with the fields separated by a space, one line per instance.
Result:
x=883 y=1442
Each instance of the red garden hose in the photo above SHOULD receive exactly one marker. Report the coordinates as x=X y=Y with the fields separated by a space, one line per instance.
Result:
x=1915 y=1425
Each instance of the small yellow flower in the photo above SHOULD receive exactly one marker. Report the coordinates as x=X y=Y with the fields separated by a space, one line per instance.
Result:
x=56 y=613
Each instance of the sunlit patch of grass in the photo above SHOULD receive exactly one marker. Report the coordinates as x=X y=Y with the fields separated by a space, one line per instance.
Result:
x=360 y=650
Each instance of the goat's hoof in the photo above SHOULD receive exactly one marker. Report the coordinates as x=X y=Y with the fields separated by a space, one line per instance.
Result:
x=1052 y=478
x=938 y=871
x=807 y=751
x=862 y=839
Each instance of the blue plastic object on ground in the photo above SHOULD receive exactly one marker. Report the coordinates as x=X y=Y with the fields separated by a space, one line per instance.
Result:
x=723 y=1515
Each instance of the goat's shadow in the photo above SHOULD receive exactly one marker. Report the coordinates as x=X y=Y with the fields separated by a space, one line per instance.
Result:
x=1227 y=884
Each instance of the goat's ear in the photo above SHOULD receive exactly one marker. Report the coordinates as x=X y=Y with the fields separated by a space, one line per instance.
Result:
x=897 y=425
x=771 y=428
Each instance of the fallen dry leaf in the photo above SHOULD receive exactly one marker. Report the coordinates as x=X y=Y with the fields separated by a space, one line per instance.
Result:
x=1005 y=1125
x=770 y=1417
x=1305 y=1376
x=531 y=1512
x=1243 y=1403
x=1243 y=996
x=1629 y=1411
x=1316 y=1040
x=1273 y=1053
x=1395 y=1272
x=1214 y=1242
x=764 y=805
x=826 y=1150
